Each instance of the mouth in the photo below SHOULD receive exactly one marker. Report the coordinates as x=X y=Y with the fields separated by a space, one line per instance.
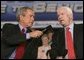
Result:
x=61 y=20
x=31 y=22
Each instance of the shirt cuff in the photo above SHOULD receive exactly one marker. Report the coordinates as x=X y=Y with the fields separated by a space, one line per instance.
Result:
x=27 y=36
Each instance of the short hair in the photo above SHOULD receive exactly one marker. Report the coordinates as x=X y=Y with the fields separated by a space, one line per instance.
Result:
x=65 y=7
x=69 y=10
x=22 y=11
x=44 y=35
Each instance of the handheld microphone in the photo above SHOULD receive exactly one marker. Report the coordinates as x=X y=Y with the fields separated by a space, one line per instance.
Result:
x=47 y=29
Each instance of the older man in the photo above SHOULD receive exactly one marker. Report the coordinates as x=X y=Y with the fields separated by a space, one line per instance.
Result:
x=71 y=36
x=16 y=38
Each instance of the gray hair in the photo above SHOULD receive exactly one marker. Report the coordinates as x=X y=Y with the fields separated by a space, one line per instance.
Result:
x=22 y=11
x=69 y=10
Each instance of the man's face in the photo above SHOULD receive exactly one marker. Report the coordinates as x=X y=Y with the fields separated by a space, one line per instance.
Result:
x=63 y=17
x=28 y=19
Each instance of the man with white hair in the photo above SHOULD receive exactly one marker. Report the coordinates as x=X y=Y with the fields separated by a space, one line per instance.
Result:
x=71 y=36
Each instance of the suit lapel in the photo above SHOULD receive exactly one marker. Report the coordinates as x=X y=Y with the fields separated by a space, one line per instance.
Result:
x=75 y=35
x=17 y=28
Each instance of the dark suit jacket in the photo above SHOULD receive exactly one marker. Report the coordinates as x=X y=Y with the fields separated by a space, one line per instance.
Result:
x=11 y=38
x=59 y=40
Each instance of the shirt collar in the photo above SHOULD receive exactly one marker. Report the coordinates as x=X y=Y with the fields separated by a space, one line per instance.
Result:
x=22 y=27
x=70 y=26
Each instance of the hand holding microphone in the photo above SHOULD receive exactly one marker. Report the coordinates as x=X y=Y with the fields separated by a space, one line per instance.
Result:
x=36 y=33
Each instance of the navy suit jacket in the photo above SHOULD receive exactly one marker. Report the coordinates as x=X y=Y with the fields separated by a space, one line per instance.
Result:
x=59 y=40
x=12 y=37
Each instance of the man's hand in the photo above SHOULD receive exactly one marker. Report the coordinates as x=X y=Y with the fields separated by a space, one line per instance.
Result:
x=36 y=34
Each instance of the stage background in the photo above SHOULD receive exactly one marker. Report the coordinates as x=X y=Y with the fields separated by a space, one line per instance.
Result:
x=45 y=12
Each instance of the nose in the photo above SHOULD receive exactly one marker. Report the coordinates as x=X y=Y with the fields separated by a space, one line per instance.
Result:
x=59 y=17
x=32 y=18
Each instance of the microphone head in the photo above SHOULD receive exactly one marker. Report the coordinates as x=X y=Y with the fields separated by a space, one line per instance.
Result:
x=48 y=29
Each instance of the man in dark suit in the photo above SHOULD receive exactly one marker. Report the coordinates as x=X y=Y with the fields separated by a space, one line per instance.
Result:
x=65 y=18
x=19 y=37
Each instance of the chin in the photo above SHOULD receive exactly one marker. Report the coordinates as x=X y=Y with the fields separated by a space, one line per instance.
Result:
x=62 y=24
x=29 y=25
